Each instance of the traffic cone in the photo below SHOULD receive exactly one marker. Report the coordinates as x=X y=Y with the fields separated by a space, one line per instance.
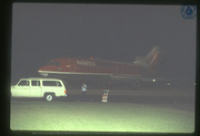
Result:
x=105 y=97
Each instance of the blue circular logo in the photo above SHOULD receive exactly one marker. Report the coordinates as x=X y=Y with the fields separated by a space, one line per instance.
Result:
x=189 y=11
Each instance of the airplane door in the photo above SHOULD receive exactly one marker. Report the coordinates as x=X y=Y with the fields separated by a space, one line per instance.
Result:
x=69 y=66
x=36 y=90
x=23 y=89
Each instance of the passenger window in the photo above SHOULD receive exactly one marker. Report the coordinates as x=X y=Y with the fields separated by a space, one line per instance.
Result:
x=23 y=83
x=51 y=83
x=35 y=83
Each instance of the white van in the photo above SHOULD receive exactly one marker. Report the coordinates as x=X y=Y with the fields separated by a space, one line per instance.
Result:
x=47 y=88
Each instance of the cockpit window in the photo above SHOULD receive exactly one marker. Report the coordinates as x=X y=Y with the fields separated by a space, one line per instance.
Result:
x=53 y=63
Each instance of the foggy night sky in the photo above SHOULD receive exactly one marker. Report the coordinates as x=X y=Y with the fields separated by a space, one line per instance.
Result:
x=41 y=32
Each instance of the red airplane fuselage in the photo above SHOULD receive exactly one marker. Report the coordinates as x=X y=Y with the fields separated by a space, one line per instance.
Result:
x=90 y=67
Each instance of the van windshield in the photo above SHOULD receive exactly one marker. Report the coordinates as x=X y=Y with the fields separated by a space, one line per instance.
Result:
x=23 y=83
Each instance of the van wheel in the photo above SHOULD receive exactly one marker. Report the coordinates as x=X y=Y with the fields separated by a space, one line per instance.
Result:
x=49 y=97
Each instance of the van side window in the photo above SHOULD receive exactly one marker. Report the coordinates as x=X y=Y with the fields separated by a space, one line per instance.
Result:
x=51 y=83
x=23 y=83
x=35 y=83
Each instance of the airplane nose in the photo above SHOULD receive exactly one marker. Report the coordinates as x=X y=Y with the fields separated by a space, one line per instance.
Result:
x=41 y=72
x=44 y=74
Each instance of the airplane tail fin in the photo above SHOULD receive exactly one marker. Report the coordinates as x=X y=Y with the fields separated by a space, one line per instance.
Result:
x=150 y=60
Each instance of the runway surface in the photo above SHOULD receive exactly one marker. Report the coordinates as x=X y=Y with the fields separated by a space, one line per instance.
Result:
x=172 y=110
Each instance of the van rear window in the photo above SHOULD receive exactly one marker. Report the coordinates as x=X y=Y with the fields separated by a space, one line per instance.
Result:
x=51 y=83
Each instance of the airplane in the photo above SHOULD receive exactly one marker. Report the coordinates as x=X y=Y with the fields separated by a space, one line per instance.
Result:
x=91 y=70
